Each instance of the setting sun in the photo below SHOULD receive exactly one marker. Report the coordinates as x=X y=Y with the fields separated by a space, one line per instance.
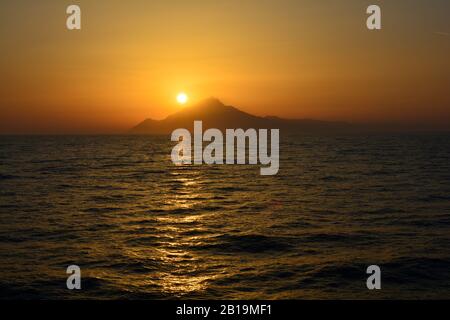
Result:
x=182 y=98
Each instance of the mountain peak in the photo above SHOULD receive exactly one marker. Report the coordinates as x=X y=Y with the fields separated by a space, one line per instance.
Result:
x=211 y=107
x=214 y=114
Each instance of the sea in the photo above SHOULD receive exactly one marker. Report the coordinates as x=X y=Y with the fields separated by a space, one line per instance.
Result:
x=140 y=227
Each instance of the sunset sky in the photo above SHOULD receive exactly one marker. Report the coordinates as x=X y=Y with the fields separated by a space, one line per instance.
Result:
x=289 y=58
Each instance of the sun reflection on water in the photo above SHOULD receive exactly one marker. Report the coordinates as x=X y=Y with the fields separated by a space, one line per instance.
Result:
x=187 y=268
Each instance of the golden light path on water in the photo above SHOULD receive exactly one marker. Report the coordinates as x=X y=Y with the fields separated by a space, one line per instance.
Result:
x=184 y=261
x=184 y=273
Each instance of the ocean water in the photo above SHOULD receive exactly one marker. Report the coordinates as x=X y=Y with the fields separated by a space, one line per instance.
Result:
x=142 y=228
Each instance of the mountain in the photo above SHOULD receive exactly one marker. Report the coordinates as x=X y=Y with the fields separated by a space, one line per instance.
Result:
x=215 y=114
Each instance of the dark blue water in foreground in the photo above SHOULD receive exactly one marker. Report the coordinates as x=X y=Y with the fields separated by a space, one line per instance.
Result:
x=140 y=227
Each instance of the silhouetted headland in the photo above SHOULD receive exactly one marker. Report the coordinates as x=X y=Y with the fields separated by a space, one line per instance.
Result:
x=215 y=114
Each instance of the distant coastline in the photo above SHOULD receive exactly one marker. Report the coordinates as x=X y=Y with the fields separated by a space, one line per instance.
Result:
x=216 y=114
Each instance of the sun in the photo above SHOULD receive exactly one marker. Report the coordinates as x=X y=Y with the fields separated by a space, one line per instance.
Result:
x=182 y=98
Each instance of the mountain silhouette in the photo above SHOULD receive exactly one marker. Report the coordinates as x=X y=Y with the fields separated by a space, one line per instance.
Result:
x=214 y=114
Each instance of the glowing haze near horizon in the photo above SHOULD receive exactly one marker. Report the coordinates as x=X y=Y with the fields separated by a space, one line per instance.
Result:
x=295 y=59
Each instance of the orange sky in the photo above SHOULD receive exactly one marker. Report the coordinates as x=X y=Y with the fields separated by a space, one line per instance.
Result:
x=313 y=59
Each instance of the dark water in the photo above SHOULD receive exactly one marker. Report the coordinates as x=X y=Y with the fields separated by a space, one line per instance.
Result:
x=140 y=227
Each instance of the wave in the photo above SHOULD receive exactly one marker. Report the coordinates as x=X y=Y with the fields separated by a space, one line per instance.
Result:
x=252 y=243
